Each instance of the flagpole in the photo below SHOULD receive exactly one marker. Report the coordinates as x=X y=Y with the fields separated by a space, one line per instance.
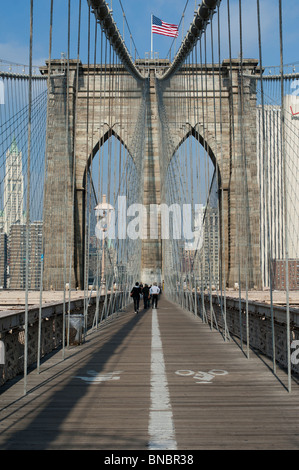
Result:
x=152 y=37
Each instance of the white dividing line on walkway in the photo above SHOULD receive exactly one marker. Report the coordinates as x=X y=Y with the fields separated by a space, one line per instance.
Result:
x=161 y=428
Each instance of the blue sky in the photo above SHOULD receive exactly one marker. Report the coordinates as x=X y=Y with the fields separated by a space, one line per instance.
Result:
x=14 y=27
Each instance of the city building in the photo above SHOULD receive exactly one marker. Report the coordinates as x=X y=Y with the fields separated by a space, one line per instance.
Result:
x=3 y=260
x=279 y=214
x=13 y=188
x=17 y=256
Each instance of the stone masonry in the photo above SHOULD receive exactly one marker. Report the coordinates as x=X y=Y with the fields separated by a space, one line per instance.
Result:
x=115 y=98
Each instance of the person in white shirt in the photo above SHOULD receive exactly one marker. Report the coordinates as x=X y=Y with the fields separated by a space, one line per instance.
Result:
x=155 y=291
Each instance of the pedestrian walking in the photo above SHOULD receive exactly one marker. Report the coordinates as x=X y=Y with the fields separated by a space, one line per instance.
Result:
x=154 y=291
x=135 y=293
x=146 y=296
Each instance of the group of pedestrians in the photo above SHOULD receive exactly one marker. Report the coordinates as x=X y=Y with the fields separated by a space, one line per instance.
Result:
x=149 y=293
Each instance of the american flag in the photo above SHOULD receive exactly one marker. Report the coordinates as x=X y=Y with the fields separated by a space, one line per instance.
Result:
x=166 y=29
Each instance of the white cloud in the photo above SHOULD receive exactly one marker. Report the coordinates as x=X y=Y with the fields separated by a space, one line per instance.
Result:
x=15 y=53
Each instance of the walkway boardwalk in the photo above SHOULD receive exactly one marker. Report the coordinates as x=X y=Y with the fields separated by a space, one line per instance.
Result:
x=157 y=380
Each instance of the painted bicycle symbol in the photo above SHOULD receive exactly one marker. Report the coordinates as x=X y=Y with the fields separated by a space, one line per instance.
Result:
x=202 y=377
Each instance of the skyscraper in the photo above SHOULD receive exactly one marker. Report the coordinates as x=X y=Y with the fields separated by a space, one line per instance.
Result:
x=275 y=208
x=13 y=187
x=3 y=260
x=17 y=255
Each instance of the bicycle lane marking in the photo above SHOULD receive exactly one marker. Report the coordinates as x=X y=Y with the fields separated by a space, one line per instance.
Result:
x=161 y=427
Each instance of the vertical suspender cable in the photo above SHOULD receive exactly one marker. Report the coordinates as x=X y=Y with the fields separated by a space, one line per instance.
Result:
x=265 y=180
x=45 y=173
x=28 y=200
x=238 y=224
x=100 y=176
x=232 y=117
x=91 y=188
x=223 y=264
x=233 y=136
x=85 y=228
x=217 y=172
x=67 y=152
x=284 y=163
x=74 y=155
x=197 y=172
x=208 y=189
x=245 y=193
x=205 y=318
x=216 y=226
x=246 y=243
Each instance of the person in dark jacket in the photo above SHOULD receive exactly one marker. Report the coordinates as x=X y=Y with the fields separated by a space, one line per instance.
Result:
x=135 y=293
x=146 y=296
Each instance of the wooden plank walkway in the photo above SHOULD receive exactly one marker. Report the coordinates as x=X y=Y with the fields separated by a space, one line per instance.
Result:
x=157 y=380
